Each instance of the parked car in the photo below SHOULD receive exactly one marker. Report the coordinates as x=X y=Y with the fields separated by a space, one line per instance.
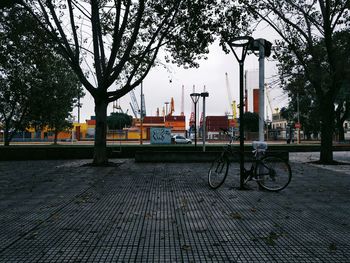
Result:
x=178 y=139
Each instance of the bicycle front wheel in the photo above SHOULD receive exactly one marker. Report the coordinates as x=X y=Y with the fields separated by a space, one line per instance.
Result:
x=273 y=173
x=218 y=172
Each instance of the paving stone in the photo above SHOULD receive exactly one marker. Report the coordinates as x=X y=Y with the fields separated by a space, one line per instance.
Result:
x=62 y=211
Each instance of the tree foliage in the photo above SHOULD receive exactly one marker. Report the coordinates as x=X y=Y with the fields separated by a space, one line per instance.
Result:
x=300 y=89
x=55 y=96
x=18 y=50
x=118 y=121
x=251 y=121
x=36 y=86
x=307 y=30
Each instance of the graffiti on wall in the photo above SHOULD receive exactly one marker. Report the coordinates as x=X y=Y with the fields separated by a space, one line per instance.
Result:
x=160 y=135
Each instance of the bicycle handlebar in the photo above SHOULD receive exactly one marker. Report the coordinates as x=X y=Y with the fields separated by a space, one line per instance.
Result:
x=226 y=131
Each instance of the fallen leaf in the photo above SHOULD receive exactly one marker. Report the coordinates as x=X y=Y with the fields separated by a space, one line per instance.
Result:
x=332 y=247
x=186 y=247
x=236 y=216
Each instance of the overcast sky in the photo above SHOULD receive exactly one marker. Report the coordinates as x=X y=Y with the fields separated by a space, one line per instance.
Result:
x=161 y=84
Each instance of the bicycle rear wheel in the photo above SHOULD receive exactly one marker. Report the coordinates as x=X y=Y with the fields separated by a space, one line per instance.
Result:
x=218 y=172
x=273 y=173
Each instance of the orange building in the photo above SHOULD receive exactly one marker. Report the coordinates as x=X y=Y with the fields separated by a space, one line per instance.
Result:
x=177 y=124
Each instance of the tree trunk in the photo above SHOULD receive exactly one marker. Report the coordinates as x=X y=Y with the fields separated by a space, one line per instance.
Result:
x=6 y=137
x=339 y=123
x=327 y=129
x=341 y=131
x=100 y=147
x=55 y=137
x=7 y=134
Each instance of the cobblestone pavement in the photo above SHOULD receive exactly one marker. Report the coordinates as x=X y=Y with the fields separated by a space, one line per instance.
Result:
x=61 y=211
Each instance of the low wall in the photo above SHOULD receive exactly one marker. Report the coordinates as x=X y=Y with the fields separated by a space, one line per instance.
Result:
x=191 y=156
x=140 y=152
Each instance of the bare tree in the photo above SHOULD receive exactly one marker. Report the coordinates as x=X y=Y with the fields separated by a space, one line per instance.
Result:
x=301 y=25
x=112 y=45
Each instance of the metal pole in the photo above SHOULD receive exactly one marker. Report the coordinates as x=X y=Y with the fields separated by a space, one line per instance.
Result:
x=204 y=95
x=267 y=124
x=298 y=118
x=141 y=117
x=245 y=91
x=261 y=88
x=78 y=108
x=195 y=125
x=203 y=125
x=241 y=125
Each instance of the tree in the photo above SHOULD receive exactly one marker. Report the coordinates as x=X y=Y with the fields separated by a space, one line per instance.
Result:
x=300 y=89
x=342 y=101
x=36 y=85
x=300 y=92
x=18 y=50
x=301 y=25
x=342 y=110
x=55 y=96
x=118 y=121
x=251 y=121
x=125 y=38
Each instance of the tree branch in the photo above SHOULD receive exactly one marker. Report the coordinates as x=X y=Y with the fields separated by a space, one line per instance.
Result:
x=117 y=34
x=128 y=87
x=130 y=44
x=95 y=39
x=341 y=12
x=74 y=30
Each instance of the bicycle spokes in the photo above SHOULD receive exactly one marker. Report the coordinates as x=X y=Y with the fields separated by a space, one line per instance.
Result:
x=218 y=172
x=220 y=167
x=273 y=173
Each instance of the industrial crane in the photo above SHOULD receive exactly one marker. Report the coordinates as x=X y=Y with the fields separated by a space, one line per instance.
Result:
x=118 y=108
x=143 y=105
x=135 y=106
x=232 y=103
x=268 y=100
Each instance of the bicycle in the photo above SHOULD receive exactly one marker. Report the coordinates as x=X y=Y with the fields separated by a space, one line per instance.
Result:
x=271 y=173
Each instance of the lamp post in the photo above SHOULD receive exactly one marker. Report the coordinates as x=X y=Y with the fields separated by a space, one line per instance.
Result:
x=195 y=97
x=141 y=116
x=243 y=43
x=298 y=126
x=204 y=95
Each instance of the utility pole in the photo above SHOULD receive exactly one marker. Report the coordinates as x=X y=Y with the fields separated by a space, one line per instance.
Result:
x=79 y=108
x=261 y=88
x=204 y=95
x=298 y=118
x=141 y=116
x=264 y=48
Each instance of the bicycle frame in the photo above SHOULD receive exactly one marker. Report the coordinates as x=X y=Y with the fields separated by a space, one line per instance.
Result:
x=258 y=152
x=270 y=172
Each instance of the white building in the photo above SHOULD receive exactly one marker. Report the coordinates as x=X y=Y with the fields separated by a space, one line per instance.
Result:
x=251 y=78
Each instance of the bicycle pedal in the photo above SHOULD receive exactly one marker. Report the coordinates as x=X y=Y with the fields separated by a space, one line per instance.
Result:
x=249 y=178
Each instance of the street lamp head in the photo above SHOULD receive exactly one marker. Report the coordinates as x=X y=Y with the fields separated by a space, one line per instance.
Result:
x=241 y=41
x=195 y=97
x=204 y=94
x=259 y=43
